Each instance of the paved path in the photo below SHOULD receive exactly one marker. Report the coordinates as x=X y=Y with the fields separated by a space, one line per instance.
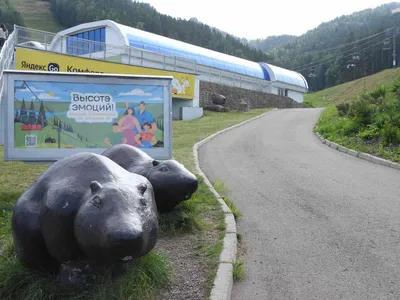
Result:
x=317 y=223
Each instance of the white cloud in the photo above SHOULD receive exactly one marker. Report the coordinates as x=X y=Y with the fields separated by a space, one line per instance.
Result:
x=156 y=98
x=135 y=92
x=33 y=89
x=46 y=96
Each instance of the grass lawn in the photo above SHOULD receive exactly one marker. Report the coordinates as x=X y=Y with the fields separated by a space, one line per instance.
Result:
x=201 y=216
x=350 y=90
x=37 y=15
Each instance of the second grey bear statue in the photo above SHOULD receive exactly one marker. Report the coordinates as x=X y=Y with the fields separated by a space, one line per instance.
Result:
x=171 y=181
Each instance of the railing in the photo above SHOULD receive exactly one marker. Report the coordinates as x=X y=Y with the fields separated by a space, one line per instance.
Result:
x=32 y=38
x=6 y=58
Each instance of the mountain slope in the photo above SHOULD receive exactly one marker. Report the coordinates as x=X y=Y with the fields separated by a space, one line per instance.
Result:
x=9 y=15
x=327 y=50
x=351 y=89
x=37 y=14
x=271 y=42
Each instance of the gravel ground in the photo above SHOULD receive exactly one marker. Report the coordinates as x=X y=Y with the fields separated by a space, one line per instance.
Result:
x=190 y=270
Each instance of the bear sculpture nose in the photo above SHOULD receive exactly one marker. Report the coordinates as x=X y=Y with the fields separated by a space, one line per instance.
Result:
x=193 y=185
x=125 y=238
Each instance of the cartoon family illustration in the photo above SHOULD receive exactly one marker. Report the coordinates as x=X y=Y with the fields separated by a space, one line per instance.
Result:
x=135 y=128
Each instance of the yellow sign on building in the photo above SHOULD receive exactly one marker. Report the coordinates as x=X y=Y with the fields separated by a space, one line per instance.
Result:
x=36 y=60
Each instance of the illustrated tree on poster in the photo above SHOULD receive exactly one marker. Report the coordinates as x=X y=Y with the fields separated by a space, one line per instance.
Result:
x=42 y=115
x=32 y=118
x=16 y=117
x=22 y=113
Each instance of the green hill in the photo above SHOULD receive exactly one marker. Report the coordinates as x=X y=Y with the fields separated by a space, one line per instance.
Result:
x=37 y=14
x=327 y=51
x=9 y=15
x=352 y=89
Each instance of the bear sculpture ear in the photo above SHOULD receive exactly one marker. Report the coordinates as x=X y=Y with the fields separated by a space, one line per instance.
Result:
x=142 y=188
x=95 y=186
x=155 y=163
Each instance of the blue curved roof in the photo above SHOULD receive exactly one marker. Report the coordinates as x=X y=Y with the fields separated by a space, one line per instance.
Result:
x=285 y=75
x=152 y=42
x=157 y=43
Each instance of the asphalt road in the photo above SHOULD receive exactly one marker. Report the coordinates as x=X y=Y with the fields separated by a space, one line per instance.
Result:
x=317 y=223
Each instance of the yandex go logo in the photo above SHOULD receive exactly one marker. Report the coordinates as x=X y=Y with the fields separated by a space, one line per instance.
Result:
x=53 y=67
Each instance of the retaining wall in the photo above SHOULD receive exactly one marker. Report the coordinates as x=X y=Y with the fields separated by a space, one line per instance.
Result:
x=235 y=95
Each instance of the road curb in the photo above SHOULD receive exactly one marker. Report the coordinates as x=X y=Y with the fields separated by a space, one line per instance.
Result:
x=362 y=155
x=222 y=287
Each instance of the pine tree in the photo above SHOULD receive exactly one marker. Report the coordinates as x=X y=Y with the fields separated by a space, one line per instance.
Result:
x=32 y=119
x=23 y=110
x=42 y=114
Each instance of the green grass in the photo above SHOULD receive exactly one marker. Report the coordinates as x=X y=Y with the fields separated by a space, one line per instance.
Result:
x=222 y=190
x=350 y=90
x=369 y=123
x=143 y=279
x=37 y=15
x=201 y=215
x=239 y=271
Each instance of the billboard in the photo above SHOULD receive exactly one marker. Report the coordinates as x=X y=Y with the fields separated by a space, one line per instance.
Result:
x=52 y=115
x=36 y=60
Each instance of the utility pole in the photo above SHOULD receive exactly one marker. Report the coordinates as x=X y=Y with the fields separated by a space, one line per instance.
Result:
x=365 y=74
x=394 y=46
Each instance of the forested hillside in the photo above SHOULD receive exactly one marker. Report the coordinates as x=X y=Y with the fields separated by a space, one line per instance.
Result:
x=325 y=55
x=271 y=42
x=143 y=16
x=9 y=16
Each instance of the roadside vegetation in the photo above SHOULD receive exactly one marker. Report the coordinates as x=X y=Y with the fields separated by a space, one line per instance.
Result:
x=368 y=122
x=201 y=218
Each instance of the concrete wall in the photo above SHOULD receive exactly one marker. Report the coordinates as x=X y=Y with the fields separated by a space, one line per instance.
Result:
x=191 y=113
x=234 y=96
x=296 y=96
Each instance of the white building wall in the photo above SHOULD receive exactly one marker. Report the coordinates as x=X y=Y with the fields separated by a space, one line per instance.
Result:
x=196 y=99
x=2 y=120
x=296 y=96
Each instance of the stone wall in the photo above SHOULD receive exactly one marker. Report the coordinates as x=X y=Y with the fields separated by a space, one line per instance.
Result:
x=235 y=95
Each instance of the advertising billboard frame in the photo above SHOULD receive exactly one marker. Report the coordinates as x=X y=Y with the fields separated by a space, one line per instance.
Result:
x=49 y=155
x=28 y=59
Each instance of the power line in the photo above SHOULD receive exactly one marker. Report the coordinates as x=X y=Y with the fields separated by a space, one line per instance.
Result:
x=328 y=60
x=343 y=45
x=335 y=55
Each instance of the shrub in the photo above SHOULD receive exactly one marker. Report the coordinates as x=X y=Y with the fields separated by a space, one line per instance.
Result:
x=362 y=112
x=395 y=87
x=379 y=93
x=343 y=108
x=369 y=132
x=390 y=135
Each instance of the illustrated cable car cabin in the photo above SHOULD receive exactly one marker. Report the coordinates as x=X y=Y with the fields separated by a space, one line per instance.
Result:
x=30 y=127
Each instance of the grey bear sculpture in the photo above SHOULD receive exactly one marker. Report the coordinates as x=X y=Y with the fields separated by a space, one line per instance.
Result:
x=84 y=207
x=171 y=181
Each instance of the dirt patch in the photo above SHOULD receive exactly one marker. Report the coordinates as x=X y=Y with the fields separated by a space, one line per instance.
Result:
x=190 y=268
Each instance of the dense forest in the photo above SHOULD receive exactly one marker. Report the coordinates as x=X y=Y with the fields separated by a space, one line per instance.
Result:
x=144 y=16
x=343 y=49
x=271 y=42
x=9 y=16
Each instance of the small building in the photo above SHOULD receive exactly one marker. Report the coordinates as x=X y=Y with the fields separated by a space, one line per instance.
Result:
x=124 y=44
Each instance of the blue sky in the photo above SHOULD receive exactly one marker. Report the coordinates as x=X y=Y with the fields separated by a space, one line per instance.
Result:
x=58 y=91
